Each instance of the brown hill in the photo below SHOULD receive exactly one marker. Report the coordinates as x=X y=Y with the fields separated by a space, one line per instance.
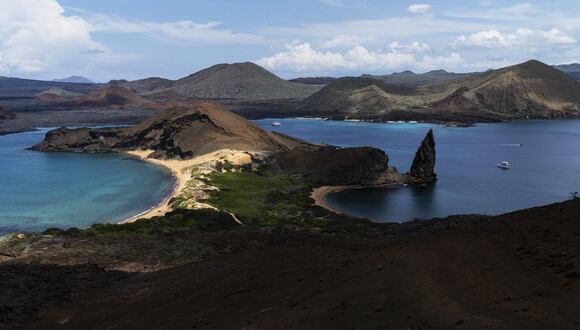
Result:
x=113 y=96
x=175 y=133
x=142 y=86
x=56 y=95
x=362 y=97
x=246 y=81
x=531 y=89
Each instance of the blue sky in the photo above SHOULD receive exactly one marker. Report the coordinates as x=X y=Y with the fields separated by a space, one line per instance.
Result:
x=111 y=39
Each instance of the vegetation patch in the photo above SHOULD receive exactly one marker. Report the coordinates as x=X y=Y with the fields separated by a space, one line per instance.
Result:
x=178 y=220
x=263 y=199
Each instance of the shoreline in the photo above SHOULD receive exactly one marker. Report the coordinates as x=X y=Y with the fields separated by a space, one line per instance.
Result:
x=163 y=206
x=181 y=170
x=320 y=194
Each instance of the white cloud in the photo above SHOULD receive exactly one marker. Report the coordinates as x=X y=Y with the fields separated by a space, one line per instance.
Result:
x=208 y=33
x=301 y=57
x=520 y=37
x=450 y=62
x=419 y=8
x=415 y=47
x=343 y=41
x=36 y=36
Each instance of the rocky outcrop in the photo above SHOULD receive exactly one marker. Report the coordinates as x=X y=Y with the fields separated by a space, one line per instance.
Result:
x=423 y=167
x=334 y=166
x=5 y=114
x=177 y=133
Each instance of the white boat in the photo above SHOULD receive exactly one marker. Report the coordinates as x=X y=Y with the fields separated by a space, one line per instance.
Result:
x=276 y=123
x=504 y=165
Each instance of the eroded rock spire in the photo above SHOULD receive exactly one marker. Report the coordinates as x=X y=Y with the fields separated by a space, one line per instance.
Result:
x=423 y=168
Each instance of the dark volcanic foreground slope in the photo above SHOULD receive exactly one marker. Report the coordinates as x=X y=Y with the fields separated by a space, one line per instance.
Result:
x=176 y=133
x=516 y=271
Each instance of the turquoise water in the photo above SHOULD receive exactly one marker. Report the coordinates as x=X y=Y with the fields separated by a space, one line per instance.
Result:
x=43 y=190
x=545 y=159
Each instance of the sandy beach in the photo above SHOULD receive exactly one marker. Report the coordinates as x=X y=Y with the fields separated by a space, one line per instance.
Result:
x=320 y=194
x=182 y=172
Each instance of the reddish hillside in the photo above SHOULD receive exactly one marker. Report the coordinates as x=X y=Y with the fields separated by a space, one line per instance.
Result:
x=113 y=96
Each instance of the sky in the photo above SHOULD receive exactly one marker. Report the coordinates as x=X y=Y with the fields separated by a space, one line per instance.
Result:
x=132 y=39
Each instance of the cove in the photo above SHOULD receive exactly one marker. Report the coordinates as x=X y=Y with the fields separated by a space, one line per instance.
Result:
x=544 y=154
x=45 y=190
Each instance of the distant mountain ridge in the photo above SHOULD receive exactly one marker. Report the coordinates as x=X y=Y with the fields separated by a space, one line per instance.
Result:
x=406 y=78
x=75 y=80
x=247 y=85
x=314 y=80
x=238 y=81
x=572 y=69
x=17 y=87
x=411 y=79
x=531 y=89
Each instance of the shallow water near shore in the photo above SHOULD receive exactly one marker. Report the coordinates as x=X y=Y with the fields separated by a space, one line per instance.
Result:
x=544 y=154
x=42 y=190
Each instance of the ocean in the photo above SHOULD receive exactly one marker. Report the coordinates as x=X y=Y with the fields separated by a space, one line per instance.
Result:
x=41 y=190
x=544 y=155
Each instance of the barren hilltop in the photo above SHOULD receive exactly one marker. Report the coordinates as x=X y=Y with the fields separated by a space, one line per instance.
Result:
x=528 y=90
x=246 y=81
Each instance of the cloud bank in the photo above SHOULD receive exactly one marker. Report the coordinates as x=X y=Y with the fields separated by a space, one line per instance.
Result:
x=302 y=57
x=36 y=36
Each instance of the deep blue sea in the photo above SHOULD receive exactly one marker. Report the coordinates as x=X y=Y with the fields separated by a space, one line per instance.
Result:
x=545 y=159
x=42 y=190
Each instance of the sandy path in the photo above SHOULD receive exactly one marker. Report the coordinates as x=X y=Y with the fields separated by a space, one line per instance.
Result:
x=182 y=172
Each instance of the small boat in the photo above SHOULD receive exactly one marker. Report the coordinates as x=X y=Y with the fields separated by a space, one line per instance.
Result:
x=504 y=165
x=276 y=123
